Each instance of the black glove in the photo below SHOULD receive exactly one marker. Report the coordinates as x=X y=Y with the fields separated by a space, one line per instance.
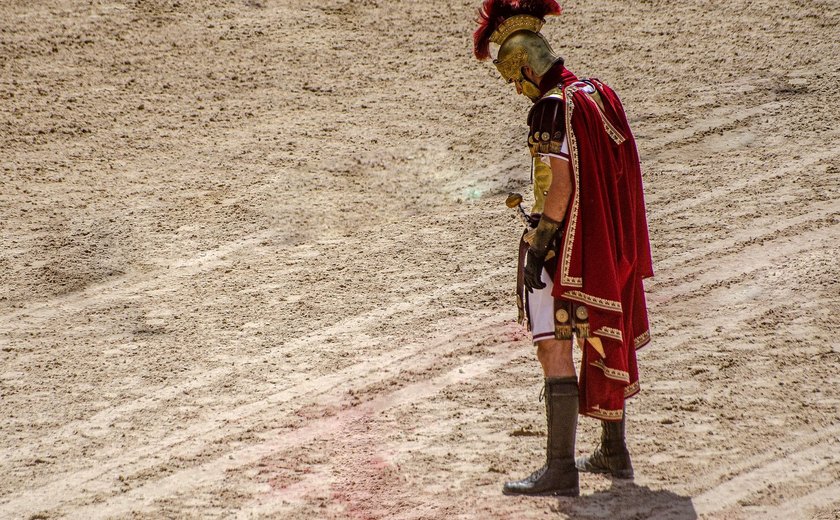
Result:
x=539 y=241
x=534 y=262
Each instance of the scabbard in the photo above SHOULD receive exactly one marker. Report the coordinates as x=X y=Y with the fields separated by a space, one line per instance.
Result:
x=520 y=280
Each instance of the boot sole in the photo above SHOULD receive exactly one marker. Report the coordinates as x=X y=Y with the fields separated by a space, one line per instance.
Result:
x=625 y=475
x=569 y=492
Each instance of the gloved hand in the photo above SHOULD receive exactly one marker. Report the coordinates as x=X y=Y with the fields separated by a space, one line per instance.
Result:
x=534 y=262
x=539 y=241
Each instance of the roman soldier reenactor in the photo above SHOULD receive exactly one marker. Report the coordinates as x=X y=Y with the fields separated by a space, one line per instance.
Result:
x=586 y=252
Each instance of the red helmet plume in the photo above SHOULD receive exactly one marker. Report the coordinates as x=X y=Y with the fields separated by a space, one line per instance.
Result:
x=493 y=12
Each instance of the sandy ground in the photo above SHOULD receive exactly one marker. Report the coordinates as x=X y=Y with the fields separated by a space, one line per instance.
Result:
x=255 y=261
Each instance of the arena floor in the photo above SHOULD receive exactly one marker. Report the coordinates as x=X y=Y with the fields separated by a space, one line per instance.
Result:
x=255 y=261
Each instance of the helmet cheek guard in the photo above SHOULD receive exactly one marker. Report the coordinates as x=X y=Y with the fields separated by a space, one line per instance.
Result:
x=524 y=49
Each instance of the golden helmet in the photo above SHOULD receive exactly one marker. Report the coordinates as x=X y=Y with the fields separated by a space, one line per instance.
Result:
x=515 y=26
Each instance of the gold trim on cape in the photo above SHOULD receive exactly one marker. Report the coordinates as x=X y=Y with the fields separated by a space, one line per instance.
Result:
x=642 y=340
x=612 y=373
x=569 y=235
x=608 y=415
x=610 y=332
x=614 y=134
x=601 y=303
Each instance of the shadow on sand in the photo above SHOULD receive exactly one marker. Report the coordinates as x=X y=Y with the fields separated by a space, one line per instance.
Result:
x=626 y=500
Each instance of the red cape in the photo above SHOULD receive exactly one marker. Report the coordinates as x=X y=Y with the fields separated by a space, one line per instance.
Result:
x=605 y=252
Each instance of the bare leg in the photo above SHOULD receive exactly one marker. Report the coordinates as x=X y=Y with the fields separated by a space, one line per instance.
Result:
x=555 y=356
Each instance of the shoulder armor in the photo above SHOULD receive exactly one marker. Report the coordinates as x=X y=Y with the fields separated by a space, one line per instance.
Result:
x=547 y=123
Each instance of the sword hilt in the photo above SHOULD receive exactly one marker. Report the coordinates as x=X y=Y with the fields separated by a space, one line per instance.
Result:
x=514 y=202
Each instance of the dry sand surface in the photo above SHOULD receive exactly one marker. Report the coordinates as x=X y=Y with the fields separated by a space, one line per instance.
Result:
x=255 y=261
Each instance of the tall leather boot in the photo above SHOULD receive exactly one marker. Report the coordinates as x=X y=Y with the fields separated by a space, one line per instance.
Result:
x=611 y=455
x=559 y=476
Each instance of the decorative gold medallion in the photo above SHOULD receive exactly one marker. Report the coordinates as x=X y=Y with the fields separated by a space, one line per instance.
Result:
x=561 y=316
x=545 y=136
x=581 y=312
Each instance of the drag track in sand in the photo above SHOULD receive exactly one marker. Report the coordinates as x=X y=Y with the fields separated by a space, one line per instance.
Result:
x=256 y=261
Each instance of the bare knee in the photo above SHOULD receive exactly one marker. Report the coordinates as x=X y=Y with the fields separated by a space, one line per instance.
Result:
x=555 y=356
x=549 y=348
